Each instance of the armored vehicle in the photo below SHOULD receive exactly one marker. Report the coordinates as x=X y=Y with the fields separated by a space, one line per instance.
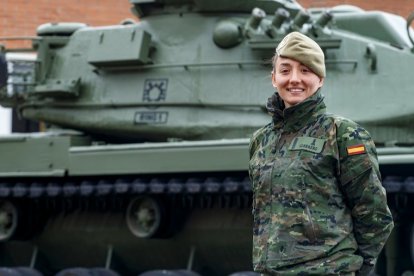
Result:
x=142 y=164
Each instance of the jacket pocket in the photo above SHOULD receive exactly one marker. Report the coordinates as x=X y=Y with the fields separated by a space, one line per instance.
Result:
x=293 y=235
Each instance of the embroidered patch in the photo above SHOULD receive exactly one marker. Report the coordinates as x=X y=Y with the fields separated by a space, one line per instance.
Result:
x=357 y=149
x=307 y=143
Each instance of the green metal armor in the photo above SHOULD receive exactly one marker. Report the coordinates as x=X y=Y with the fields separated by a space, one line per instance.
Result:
x=318 y=203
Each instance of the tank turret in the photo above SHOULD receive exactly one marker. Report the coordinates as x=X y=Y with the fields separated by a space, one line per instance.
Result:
x=139 y=80
x=145 y=148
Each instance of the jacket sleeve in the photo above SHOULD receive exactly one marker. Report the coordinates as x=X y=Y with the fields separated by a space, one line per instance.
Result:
x=361 y=183
x=252 y=145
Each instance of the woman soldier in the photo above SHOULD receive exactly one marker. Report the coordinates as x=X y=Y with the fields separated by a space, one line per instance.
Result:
x=318 y=203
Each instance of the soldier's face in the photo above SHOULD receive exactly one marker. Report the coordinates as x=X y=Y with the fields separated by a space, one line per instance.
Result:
x=294 y=81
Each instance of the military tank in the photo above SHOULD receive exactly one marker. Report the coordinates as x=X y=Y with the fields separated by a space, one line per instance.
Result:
x=142 y=164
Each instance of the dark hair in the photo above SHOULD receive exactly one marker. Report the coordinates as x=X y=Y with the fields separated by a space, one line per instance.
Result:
x=272 y=61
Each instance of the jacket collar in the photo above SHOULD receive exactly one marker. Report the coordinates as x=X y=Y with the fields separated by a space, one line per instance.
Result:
x=297 y=116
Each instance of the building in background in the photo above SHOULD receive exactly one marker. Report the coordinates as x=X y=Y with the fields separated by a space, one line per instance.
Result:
x=399 y=7
x=15 y=22
x=21 y=18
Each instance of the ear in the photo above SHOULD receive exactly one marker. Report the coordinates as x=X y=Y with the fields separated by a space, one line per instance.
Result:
x=273 y=79
x=321 y=81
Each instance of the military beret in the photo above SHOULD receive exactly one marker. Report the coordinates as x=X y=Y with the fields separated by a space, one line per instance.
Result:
x=301 y=48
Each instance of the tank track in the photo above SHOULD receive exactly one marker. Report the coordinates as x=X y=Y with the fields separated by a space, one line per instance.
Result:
x=199 y=191
x=230 y=191
x=153 y=185
x=29 y=203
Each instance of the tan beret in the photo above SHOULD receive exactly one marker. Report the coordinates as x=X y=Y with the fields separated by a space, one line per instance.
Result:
x=301 y=48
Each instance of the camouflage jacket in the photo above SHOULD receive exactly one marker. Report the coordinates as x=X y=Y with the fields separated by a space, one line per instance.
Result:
x=318 y=204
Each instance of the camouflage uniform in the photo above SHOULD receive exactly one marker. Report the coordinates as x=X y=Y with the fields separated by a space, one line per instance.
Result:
x=319 y=207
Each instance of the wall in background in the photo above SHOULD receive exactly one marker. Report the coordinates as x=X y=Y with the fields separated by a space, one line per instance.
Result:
x=22 y=17
x=400 y=7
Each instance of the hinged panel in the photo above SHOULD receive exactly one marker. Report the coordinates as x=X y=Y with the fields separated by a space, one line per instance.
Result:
x=118 y=47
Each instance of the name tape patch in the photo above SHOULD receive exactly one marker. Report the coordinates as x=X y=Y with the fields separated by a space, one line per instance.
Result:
x=307 y=143
x=357 y=149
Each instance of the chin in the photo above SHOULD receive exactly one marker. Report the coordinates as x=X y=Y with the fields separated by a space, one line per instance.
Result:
x=291 y=103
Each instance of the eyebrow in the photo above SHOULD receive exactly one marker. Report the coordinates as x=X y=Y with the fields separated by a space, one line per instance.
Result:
x=285 y=64
x=290 y=65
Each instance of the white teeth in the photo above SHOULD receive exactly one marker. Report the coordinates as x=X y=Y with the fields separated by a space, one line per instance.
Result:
x=296 y=90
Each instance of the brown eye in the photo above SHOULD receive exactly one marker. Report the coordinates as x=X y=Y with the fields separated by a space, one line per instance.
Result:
x=284 y=71
x=305 y=70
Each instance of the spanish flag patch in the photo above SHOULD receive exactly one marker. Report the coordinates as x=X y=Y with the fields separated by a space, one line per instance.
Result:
x=357 y=149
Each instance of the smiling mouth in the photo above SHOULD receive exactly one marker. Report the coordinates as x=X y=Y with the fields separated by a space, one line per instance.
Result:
x=295 y=90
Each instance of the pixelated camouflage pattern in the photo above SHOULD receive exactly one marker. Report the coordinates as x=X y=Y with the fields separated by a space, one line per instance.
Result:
x=316 y=211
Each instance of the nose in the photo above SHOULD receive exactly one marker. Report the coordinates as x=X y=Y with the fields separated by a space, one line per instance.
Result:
x=294 y=77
